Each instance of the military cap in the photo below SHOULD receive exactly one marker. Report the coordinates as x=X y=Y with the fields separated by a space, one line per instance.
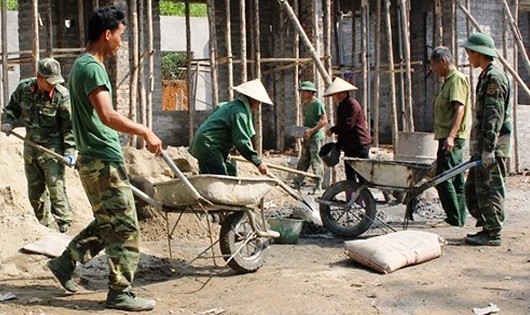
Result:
x=481 y=43
x=50 y=69
x=307 y=86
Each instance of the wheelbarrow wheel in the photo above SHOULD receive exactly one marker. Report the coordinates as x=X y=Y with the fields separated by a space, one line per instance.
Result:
x=241 y=248
x=347 y=221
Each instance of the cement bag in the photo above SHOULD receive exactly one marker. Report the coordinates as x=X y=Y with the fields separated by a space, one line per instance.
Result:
x=390 y=252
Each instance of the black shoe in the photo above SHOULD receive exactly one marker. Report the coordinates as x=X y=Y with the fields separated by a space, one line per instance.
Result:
x=63 y=268
x=485 y=238
x=475 y=234
x=128 y=301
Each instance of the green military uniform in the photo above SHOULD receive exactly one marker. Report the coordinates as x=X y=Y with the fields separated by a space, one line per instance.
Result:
x=451 y=192
x=230 y=125
x=46 y=117
x=311 y=147
x=485 y=187
x=104 y=178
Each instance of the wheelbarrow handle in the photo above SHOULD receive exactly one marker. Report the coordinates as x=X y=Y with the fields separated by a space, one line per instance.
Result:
x=448 y=174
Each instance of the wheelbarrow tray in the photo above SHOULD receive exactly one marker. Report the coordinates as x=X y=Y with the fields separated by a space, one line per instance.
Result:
x=391 y=174
x=218 y=189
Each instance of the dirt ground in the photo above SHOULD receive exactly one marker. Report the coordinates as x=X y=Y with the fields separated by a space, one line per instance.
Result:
x=311 y=277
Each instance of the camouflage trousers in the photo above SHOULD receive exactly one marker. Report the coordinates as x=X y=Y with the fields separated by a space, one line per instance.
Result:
x=46 y=187
x=309 y=157
x=485 y=194
x=115 y=227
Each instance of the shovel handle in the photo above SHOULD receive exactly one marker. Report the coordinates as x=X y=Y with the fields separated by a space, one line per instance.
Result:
x=279 y=167
x=39 y=147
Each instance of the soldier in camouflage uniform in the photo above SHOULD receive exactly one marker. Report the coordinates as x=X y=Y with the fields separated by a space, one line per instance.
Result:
x=101 y=168
x=42 y=105
x=490 y=142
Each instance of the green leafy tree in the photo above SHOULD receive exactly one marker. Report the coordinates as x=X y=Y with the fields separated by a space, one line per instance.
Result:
x=12 y=5
x=178 y=9
x=171 y=62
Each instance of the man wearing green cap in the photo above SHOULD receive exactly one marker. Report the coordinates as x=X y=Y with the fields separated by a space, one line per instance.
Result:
x=490 y=142
x=42 y=105
x=314 y=119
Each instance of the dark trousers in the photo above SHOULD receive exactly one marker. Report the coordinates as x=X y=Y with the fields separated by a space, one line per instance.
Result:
x=451 y=192
x=361 y=152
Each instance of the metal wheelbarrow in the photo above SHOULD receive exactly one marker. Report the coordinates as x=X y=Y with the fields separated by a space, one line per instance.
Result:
x=348 y=208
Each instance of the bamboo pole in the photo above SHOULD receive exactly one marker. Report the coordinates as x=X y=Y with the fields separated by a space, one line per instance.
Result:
x=281 y=88
x=517 y=35
x=35 y=31
x=243 y=34
x=189 y=77
x=454 y=34
x=501 y=59
x=49 y=29
x=364 y=59
x=330 y=175
x=133 y=83
x=95 y=3
x=257 y=56
x=296 y=53
x=81 y=18
x=142 y=110
x=390 y=57
x=353 y=36
x=438 y=30
x=150 y=64
x=320 y=67
x=377 y=80
x=5 y=74
x=409 y=120
x=471 y=76
x=516 y=94
x=228 y=39
x=213 y=51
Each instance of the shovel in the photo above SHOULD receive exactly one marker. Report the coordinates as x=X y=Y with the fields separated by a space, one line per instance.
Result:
x=309 y=212
x=40 y=147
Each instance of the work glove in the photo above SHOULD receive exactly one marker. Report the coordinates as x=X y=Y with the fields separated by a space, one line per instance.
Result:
x=70 y=160
x=6 y=128
x=488 y=158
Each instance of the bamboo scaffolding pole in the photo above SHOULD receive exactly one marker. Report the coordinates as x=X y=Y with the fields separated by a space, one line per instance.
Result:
x=438 y=30
x=364 y=58
x=133 y=83
x=49 y=28
x=409 y=120
x=330 y=175
x=454 y=44
x=390 y=57
x=516 y=94
x=471 y=76
x=95 y=3
x=281 y=68
x=501 y=59
x=189 y=78
x=320 y=67
x=315 y=33
x=5 y=74
x=281 y=89
x=377 y=79
x=213 y=51
x=142 y=110
x=353 y=36
x=35 y=33
x=257 y=58
x=297 y=101
x=243 y=34
x=81 y=18
x=517 y=35
x=228 y=39
x=150 y=64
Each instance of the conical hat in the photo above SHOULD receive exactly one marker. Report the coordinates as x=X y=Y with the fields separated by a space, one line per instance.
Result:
x=339 y=85
x=254 y=89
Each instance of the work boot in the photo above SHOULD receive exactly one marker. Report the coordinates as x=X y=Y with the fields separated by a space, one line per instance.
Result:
x=128 y=301
x=62 y=268
x=485 y=238
x=64 y=228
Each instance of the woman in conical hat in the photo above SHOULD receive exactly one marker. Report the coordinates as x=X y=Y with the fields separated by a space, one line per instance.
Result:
x=351 y=129
x=230 y=125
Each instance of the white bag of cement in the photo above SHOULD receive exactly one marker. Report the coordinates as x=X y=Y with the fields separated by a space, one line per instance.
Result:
x=387 y=253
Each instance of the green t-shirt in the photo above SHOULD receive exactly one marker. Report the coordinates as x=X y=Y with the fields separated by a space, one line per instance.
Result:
x=312 y=113
x=93 y=138
x=454 y=89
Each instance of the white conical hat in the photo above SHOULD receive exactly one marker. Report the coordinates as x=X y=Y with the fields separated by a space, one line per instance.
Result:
x=254 y=89
x=339 y=85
